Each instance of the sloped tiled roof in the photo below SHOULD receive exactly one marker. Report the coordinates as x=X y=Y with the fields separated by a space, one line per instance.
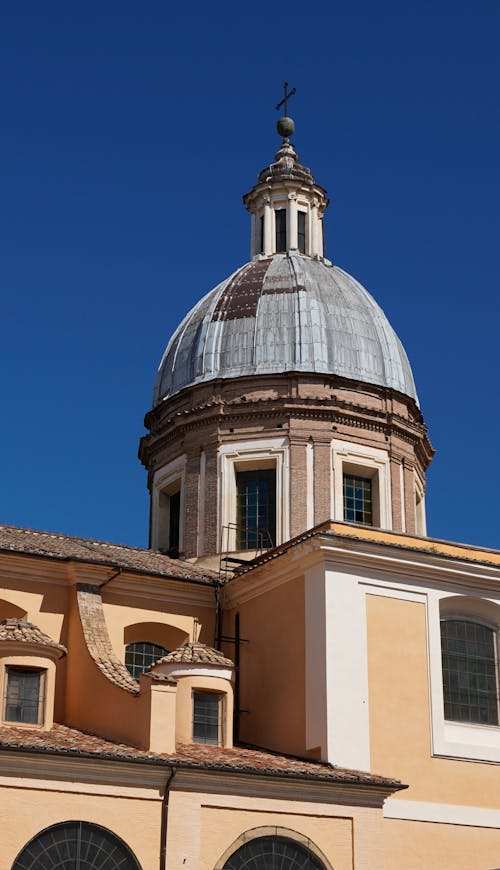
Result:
x=95 y=632
x=62 y=740
x=66 y=547
x=195 y=653
x=20 y=631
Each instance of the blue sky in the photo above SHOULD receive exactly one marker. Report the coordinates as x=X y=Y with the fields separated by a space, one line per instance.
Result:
x=130 y=132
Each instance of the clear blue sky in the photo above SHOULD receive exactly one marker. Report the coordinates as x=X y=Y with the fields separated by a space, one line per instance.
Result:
x=130 y=132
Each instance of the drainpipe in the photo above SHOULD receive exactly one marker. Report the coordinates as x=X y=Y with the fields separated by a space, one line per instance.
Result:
x=113 y=576
x=164 y=819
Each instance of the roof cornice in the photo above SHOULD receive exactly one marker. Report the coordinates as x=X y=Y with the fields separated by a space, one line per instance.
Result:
x=424 y=561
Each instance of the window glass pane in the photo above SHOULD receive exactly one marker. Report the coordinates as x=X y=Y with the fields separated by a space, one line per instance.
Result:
x=256 y=509
x=141 y=655
x=76 y=846
x=206 y=716
x=280 y=229
x=261 y=245
x=469 y=672
x=272 y=853
x=22 y=697
x=174 y=520
x=301 y=226
x=358 y=499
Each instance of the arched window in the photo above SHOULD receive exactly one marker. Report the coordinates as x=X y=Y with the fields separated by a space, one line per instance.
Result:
x=76 y=845
x=139 y=656
x=470 y=671
x=273 y=852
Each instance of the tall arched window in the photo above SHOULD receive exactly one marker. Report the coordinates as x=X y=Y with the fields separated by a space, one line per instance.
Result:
x=76 y=845
x=273 y=852
x=470 y=671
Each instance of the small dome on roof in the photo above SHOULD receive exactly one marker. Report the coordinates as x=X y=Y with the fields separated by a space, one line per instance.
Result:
x=285 y=313
x=195 y=653
x=20 y=631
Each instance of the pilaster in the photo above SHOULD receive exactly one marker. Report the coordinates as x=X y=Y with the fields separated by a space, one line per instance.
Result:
x=322 y=480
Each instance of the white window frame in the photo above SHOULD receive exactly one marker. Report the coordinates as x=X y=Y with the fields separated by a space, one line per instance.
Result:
x=165 y=481
x=451 y=739
x=249 y=456
x=369 y=462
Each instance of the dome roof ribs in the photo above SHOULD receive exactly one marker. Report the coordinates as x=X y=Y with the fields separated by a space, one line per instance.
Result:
x=288 y=307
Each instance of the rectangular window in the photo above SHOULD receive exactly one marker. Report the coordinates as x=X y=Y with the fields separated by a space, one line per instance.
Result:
x=256 y=509
x=174 y=520
x=261 y=224
x=207 y=708
x=169 y=531
x=301 y=228
x=23 y=697
x=280 y=215
x=358 y=507
x=469 y=672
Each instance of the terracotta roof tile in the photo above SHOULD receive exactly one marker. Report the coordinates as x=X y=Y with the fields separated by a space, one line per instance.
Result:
x=21 y=631
x=95 y=631
x=62 y=740
x=66 y=547
x=191 y=653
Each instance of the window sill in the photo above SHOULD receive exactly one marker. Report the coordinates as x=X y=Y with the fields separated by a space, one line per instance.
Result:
x=469 y=740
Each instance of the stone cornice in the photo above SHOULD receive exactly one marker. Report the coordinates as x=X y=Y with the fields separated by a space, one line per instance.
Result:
x=77 y=769
x=27 y=568
x=146 y=779
x=283 y=787
x=423 y=567
x=334 y=410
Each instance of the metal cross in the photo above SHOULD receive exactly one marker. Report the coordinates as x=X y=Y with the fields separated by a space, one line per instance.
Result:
x=284 y=101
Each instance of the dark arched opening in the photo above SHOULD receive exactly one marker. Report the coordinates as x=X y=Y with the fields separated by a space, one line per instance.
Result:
x=76 y=845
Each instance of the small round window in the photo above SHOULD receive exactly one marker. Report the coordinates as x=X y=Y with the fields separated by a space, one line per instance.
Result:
x=272 y=853
x=76 y=846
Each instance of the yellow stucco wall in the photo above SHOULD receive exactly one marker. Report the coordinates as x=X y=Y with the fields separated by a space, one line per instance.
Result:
x=24 y=812
x=272 y=669
x=427 y=846
x=399 y=712
x=173 y=622
x=347 y=837
x=202 y=827
x=401 y=743
x=44 y=606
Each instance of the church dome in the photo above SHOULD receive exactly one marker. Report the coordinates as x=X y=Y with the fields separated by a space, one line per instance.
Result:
x=285 y=313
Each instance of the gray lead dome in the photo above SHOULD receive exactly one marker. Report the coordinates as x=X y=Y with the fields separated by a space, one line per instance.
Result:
x=280 y=314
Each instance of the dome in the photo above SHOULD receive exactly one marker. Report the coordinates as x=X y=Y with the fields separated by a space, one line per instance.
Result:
x=285 y=313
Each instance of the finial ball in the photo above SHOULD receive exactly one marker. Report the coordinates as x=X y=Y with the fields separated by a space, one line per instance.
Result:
x=286 y=127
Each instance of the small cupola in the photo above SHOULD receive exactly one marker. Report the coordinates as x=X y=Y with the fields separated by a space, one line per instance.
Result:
x=28 y=659
x=286 y=205
x=204 y=695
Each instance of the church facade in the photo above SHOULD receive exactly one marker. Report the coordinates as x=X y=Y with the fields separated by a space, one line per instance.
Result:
x=293 y=675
